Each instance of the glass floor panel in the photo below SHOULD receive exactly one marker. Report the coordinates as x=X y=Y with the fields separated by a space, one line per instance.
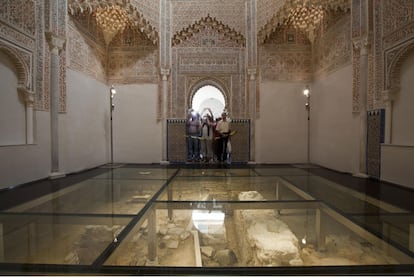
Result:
x=395 y=228
x=337 y=196
x=171 y=220
x=96 y=196
x=225 y=189
x=57 y=239
x=250 y=235
x=138 y=173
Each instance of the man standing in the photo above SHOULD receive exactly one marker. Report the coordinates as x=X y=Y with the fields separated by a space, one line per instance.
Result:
x=223 y=128
x=193 y=128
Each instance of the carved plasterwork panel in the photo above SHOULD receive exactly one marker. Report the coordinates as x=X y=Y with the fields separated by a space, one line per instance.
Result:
x=397 y=14
x=20 y=14
x=356 y=56
x=213 y=33
x=266 y=10
x=284 y=63
x=150 y=9
x=394 y=59
x=356 y=18
x=133 y=66
x=231 y=13
x=24 y=32
x=87 y=26
x=378 y=64
x=286 y=56
x=204 y=60
x=333 y=50
x=133 y=58
x=85 y=55
x=393 y=39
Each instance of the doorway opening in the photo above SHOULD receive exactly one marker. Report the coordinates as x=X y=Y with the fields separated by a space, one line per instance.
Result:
x=208 y=97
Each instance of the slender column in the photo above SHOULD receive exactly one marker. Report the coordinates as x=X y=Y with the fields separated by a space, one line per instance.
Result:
x=164 y=90
x=165 y=65
x=252 y=112
x=56 y=44
x=251 y=19
x=29 y=97
x=363 y=47
x=388 y=96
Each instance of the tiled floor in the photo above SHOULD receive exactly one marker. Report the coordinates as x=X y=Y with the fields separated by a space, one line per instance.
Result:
x=102 y=221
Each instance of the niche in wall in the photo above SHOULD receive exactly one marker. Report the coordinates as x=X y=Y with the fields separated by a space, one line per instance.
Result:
x=12 y=105
x=403 y=112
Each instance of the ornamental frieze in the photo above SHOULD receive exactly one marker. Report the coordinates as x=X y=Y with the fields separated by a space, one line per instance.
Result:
x=399 y=35
x=17 y=37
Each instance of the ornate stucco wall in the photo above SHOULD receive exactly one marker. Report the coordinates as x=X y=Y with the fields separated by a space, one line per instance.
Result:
x=286 y=56
x=212 y=55
x=86 y=52
x=333 y=49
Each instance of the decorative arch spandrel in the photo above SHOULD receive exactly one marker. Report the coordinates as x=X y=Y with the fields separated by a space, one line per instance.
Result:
x=394 y=59
x=21 y=62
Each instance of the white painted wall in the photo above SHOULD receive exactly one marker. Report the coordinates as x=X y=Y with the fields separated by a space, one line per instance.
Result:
x=281 y=131
x=397 y=164
x=137 y=134
x=334 y=128
x=25 y=163
x=84 y=128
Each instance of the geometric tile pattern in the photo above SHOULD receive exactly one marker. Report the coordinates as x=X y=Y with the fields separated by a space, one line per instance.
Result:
x=375 y=136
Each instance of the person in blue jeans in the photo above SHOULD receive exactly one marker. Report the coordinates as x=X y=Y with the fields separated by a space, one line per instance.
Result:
x=223 y=128
x=193 y=129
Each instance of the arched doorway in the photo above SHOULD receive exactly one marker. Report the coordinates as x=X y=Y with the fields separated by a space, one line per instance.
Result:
x=208 y=96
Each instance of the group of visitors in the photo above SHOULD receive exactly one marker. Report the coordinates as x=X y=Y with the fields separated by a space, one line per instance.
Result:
x=208 y=139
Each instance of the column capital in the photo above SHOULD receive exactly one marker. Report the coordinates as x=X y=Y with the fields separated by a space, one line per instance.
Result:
x=252 y=71
x=56 y=43
x=390 y=94
x=165 y=72
x=362 y=44
x=28 y=95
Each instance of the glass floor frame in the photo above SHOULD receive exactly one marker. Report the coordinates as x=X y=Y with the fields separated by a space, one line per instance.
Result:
x=170 y=220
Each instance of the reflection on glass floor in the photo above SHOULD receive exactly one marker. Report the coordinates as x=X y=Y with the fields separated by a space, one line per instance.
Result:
x=137 y=218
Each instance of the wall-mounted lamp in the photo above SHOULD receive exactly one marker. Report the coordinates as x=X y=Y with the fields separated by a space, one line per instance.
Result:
x=306 y=92
x=112 y=92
